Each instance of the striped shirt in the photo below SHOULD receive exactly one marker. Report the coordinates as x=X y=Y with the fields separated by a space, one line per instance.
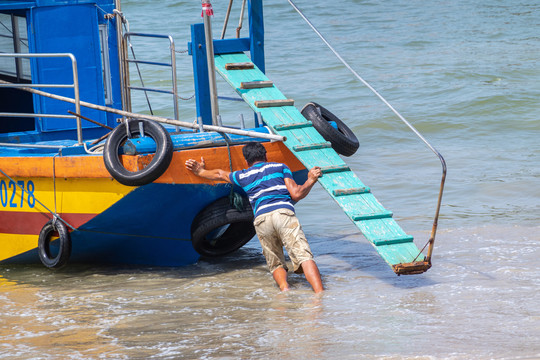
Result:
x=264 y=183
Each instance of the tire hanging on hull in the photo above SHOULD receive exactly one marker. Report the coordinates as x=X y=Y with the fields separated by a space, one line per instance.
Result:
x=54 y=228
x=343 y=140
x=220 y=229
x=156 y=167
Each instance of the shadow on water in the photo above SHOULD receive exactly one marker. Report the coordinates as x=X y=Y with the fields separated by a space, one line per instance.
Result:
x=338 y=256
x=37 y=274
x=352 y=255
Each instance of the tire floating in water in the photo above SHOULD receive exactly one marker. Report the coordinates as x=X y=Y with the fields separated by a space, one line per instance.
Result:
x=343 y=140
x=220 y=229
x=159 y=164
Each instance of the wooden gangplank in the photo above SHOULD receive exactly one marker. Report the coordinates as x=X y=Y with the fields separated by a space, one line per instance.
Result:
x=374 y=221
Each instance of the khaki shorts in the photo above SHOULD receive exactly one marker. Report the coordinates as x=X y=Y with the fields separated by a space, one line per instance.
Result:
x=280 y=228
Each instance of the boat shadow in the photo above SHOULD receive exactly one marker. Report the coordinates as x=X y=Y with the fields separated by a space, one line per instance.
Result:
x=351 y=254
x=341 y=255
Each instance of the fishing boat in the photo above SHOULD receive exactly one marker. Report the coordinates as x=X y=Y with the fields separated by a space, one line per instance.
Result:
x=83 y=179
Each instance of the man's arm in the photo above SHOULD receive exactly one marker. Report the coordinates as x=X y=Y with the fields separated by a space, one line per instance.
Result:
x=199 y=169
x=298 y=192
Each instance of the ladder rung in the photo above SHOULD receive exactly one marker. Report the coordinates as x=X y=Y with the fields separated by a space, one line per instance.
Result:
x=256 y=84
x=239 y=66
x=324 y=145
x=293 y=125
x=372 y=216
x=334 y=168
x=274 y=103
x=351 y=191
x=396 y=240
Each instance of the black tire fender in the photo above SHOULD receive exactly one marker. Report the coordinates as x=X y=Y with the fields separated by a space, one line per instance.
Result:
x=159 y=164
x=220 y=229
x=58 y=229
x=343 y=140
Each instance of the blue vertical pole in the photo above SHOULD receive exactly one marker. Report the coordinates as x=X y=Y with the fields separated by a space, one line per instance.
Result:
x=256 y=32
x=200 y=74
x=256 y=39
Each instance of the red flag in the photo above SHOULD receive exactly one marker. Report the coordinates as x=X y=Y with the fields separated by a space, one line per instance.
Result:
x=207 y=7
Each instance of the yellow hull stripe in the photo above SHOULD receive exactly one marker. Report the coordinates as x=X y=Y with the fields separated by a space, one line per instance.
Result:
x=13 y=245
x=82 y=196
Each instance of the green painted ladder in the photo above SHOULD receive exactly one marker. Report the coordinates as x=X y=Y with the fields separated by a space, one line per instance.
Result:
x=374 y=221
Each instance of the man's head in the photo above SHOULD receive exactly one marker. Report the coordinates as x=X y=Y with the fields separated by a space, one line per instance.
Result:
x=254 y=152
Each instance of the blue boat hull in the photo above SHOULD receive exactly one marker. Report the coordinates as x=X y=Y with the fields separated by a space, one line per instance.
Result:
x=149 y=226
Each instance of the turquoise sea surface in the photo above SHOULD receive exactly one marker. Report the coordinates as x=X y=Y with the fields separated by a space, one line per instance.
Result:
x=466 y=74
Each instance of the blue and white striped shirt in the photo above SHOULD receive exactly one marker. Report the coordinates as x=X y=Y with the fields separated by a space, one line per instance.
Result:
x=264 y=183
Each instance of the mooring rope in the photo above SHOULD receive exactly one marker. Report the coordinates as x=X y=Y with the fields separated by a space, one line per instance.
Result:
x=437 y=153
x=236 y=199
x=53 y=213
x=55 y=218
x=364 y=81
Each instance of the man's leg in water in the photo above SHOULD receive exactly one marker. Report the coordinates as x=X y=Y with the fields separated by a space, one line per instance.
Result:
x=272 y=249
x=312 y=275
x=280 y=276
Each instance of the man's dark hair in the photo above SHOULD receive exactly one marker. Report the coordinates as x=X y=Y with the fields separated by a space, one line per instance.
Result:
x=254 y=152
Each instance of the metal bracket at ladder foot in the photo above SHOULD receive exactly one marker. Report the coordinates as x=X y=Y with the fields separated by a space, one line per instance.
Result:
x=412 y=268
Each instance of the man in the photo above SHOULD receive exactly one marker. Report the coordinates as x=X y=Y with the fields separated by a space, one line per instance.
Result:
x=272 y=190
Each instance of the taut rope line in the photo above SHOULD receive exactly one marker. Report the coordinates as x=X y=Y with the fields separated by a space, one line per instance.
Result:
x=53 y=213
x=443 y=162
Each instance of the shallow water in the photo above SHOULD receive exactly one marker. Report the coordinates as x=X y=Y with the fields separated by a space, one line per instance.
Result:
x=467 y=75
x=478 y=302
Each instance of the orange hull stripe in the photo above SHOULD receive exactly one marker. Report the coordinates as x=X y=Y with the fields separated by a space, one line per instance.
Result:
x=218 y=158
x=64 y=167
x=94 y=167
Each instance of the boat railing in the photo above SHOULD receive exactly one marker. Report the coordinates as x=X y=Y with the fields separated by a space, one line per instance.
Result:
x=172 y=64
x=163 y=120
x=74 y=85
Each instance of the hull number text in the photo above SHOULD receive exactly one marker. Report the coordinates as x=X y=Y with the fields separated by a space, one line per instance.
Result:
x=17 y=195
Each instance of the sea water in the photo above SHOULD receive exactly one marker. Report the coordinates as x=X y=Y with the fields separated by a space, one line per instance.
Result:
x=464 y=73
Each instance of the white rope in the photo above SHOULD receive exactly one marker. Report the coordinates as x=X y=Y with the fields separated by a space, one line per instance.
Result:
x=438 y=154
x=364 y=81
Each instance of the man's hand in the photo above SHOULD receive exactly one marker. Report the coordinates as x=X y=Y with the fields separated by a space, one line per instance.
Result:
x=298 y=192
x=199 y=169
x=315 y=173
x=194 y=166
